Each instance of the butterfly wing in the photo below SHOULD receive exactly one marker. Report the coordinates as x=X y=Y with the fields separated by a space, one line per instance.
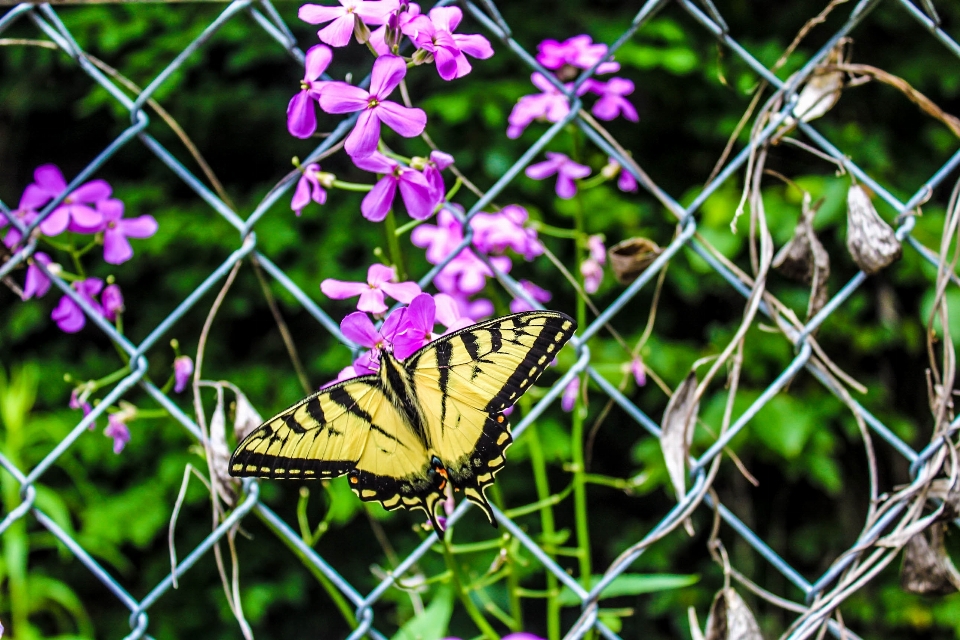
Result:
x=464 y=381
x=349 y=428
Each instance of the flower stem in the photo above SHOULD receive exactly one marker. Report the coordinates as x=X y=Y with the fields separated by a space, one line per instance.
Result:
x=547 y=524
x=485 y=627
x=396 y=256
x=351 y=186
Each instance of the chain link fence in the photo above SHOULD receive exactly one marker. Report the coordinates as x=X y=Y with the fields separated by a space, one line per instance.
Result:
x=893 y=517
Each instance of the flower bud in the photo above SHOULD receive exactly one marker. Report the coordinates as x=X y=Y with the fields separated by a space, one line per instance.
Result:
x=361 y=31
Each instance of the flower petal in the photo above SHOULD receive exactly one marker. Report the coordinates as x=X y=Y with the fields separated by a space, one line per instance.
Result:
x=401 y=291
x=68 y=315
x=340 y=290
x=301 y=196
x=371 y=301
x=358 y=328
x=116 y=247
x=37 y=283
x=376 y=162
x=365 y=136
x=91 y=192
x=446 y=61
x=34 y=197
x=139 y=227
x=317 y=60
x=377 y=203
x=387 y=73
x=377 y=274
x=338 y=32
x=84 y=219
x=474 y=45
x=340 y=97
x=407 y=121
x=55 y=223
x=301 y=115
x=49 y=178
x=541 y=170
x=418 y=196
x=318 y=13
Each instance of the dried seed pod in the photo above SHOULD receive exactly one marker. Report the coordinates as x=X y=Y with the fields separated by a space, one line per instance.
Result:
x=872 y=243
x=220 y=454
x=677 y=430
x=731 y=619
x=926 y=568
x=805 y=260
x=820 y=91
x=245 y=417
x=630 y=258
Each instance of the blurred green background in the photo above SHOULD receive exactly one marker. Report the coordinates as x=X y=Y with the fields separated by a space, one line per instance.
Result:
x=230 y=98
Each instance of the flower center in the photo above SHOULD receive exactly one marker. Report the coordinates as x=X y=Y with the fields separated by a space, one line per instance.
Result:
x=112 y=225
x=304 y=85
x=373 y=103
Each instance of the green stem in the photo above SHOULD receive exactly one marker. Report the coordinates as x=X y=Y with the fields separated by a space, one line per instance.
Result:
x=396 y=256
x=351 y=186
x=119 y=374
x=556 y=232
x=409 y=226
x=485 y=628
x=547 y=524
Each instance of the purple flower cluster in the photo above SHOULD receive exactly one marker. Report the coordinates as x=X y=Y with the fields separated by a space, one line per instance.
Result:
x=567 y=59
x=87 y=210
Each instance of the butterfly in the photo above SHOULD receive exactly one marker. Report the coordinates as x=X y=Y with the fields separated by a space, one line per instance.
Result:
x=402 y=434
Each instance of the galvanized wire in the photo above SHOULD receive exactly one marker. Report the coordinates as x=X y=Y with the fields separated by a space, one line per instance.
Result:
x=265 y=16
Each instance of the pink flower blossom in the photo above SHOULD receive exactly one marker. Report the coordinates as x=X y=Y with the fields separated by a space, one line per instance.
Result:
x=342 y=19
x=432 y=167
x=416 y=192
x=380 y=280
x=578 y=51
x=112 y=301
x=451 y=312
x=625 y=180
x=116 y=229
x=37 y=283
x=612 y=102
x=75 y=211
x=340 y=97
x=638 y=370
x=117 y=429
x=413 y=327
x=309 y=187
x=592 y=274
x=68 y=315
x=301 y=113
x=537 y=293
x=435 y=34
x=550 y=105
x=76 y=404
x=566 y=170
x=569 y=398
x=182 y=370
x=394 y=22
x=497 y=232
x=597 y=251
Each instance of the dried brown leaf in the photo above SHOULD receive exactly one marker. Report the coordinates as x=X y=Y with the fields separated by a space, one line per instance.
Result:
x=731 y=619
x=245 y=418
x=805 y=260
x=630 y=258
x=677 y=430
x=821 y=90
x=872 y=243
x=927 y=568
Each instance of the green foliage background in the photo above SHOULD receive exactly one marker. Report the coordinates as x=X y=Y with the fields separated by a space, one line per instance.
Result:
x=803 y=447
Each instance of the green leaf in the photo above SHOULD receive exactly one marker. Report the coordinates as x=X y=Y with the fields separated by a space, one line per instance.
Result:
x=433 y=622
x=632 y=584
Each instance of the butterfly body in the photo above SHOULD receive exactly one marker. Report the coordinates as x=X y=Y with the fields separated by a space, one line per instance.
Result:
x=433 y=418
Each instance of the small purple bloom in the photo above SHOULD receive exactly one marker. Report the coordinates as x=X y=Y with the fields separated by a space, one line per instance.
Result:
x=435 y=34
x=592 y=274
x=76 y=404
x=340 y=97
x=537 y=293
x=116 y=229
x=68 y=315
x=112 y=301
x=344 y=19
x=74 y=212
x=37 y=283
x=625 y=181
x=380 y=280
x=566 y=169
x=25 y=213
x=432 y=167
x=612 y=102
x=309 y=187
x=117 y=429
x=497 y=232
x=301 y=114
x=569 y=398
x=413 y=327
x=450 y=312
x=182 y=370
x=638 y=370
x=394 y=22
x=578 y=51
x=597 y=251
x=522 y=635
x=441 y=239
x=416 y=192
x=550 y=105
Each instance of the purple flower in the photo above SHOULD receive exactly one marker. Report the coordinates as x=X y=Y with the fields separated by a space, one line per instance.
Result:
x=431 y=168
x=566 y=169
x=522 y=635
x=625 y=182
x=68 y=315
x=413 y=326
x=25 y=213
x=340 y=97
x=37 y=283
x=578 y=51
x=570 y=392
x=597 y=251
x=117 y=429
x=551 y=105
x=74 y=212
x=638 y=370
x=612 y=103
x=441 y=239
x=435 y=34
x=414 y=189
x=394 y=21
x=76 y=404
x=182 y=370
x=301 y=114
x=116 y=229
x=450 y=312
x=592 y=274
x=112 y=301
x=310 y=187
x=380 y=280
x=496 y=232
x=538 y=294
x=344 y=19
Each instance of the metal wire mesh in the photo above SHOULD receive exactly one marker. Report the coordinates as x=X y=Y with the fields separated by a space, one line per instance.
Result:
x=48 y=23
